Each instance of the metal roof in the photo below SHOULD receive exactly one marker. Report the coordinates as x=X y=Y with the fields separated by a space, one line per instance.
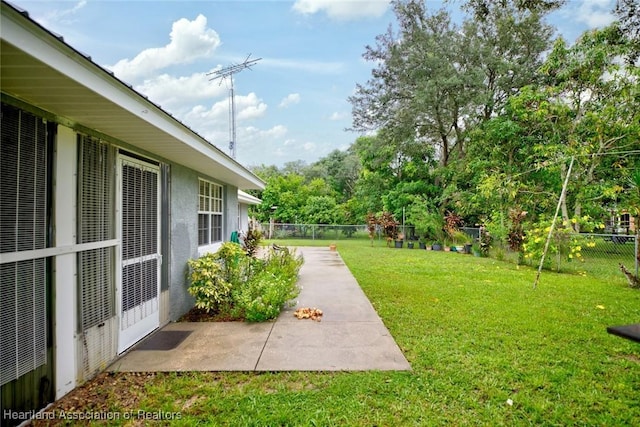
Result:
x=40 y=69
x=247 y=198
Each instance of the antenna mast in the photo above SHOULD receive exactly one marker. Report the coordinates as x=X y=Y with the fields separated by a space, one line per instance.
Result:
x=222 y=74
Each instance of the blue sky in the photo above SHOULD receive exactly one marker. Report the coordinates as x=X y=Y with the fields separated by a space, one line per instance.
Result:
x=292 y=105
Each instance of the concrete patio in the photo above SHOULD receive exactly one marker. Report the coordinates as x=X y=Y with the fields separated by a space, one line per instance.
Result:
x=350 y=337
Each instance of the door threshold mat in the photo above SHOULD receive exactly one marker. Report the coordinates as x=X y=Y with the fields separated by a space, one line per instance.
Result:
x=163 y=340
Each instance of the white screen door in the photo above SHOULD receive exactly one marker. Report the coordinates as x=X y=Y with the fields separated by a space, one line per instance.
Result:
x=139 y=222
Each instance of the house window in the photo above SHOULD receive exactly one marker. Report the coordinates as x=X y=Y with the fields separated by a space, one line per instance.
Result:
x=209 y=213
x=625 y=220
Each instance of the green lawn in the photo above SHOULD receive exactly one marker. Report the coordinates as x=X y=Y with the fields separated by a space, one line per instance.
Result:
x=485 y=347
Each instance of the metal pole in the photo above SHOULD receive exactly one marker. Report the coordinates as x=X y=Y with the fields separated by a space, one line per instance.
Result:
x=232 y=119
x=553 y=223
x=637 y=254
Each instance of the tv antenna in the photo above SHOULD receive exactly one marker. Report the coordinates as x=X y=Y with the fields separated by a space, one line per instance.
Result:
x=228 y=72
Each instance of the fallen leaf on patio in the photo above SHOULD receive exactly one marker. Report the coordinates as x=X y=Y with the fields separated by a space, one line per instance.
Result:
x=308 y=313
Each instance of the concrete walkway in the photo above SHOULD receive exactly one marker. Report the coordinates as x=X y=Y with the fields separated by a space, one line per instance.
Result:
x=350 y=337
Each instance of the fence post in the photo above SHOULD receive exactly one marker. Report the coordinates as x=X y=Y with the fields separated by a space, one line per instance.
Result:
x=636 y=254
x=313 y=232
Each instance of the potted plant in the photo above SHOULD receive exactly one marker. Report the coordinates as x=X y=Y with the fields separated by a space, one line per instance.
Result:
x=461 y=242
x=428 y=225
x=399 y=240
x=452 y=222
x=389 y=227
x=475 y=250
x=422 y=242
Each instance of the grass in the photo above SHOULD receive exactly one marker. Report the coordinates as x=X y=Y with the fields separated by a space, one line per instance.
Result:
x=477 y=335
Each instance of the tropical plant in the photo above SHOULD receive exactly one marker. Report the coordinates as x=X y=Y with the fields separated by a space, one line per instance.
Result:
x=209 y=286
x=389 y=226
x=372 y=224
x=251 y=241
x=249 y=288
x=515 y=236
x=452 y=224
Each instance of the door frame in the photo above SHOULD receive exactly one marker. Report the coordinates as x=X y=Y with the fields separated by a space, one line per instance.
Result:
x=142 y=328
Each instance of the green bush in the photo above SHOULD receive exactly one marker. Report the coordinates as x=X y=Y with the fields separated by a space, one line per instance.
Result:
x=232 y=259
x=262 y=298
x=208 y=284
x=250 y=288
x=270 y=287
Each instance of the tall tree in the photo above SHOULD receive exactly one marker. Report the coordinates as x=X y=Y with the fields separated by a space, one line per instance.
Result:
x=419 y=85
x=506 y=40
x=435 y=80
x=341 y=170
x=628 y=13
x=587 y=107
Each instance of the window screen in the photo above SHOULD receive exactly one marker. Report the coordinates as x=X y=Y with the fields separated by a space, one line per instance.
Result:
x=23 y=226
x=95 y=224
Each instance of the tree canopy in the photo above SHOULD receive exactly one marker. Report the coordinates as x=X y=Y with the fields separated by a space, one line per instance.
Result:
x=479 y=117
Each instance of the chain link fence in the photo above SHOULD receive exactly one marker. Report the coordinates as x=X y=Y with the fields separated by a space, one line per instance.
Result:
x=327 y=232
x=601 y=254
x=313 y=231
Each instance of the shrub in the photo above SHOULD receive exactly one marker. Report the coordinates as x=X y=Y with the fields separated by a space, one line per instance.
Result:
x=249 y=288
x=232 y=258
x=565 y=243
x=208 y=284
x=263 y=297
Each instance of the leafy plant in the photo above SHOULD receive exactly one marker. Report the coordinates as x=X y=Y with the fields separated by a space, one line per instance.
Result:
x=389 y=226
x=460 y=238
x=372 y=224
x=452 y=223
x=428 y=224
x=565 y=242
x=208 y=286
x=251 y=242
x=262 y=298
x=485 y=241
x=232 y=259
x=265 y=293
x=515 y=237
x=247 y=287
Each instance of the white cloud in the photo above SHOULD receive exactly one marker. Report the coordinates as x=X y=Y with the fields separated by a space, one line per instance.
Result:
x=172 y=92
x=254 y=134
x=249 y=107
x=337 y=116
x=307 y=66
x=343 y=10
x=262 y=146
x=596 y=13
x=190 y=40
x=309 y=146
x=65 y=16
x=292 y=98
